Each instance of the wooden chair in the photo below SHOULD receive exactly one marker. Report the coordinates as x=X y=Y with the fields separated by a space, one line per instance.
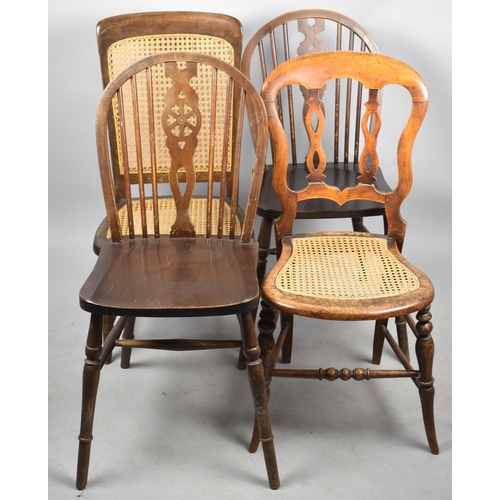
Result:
x=193 y=258
x=284 y=38
x=123 y=40
x=341 y=275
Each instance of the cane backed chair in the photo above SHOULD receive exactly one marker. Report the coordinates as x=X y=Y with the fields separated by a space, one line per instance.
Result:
x=203 y=263
x=288 y=36
x=342 y=275
x=123 y=40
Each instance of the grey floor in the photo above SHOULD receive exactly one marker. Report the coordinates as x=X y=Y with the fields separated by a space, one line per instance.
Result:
x=177 y=425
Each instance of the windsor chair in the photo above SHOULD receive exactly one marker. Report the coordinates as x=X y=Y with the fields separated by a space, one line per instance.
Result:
x=123 y=40
x=193 y=258
x=288 y=36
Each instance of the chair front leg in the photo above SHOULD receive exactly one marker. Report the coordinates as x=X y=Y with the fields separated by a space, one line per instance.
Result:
x=257 y=380
x=425 y=383
x=91 y=375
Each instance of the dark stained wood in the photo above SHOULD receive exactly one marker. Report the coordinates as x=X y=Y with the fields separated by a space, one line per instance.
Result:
x=297 y=293
x=169 y=276
x=283 y=38
x=129 y=37
x=135 y=29
x=184 y=272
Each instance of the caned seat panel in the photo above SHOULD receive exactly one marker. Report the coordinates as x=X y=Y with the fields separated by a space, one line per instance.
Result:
x=344 y=267
x=167 y=215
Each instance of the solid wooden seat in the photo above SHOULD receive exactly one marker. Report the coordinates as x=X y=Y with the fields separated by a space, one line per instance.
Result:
x=288 y=36
x=173 y=277
x=348 y=276
x=206 y=263
x=270 y=204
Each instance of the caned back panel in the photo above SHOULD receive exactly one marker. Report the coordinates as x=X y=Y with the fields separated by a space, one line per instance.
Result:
x=156 y=100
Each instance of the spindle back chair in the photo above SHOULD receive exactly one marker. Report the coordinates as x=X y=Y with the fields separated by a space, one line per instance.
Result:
x=203 y=262
x=288 y=36
x=340 y=275
x=127 y=38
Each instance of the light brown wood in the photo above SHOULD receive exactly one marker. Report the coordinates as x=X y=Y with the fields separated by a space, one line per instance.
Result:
x=339 y=275
x=189 y=271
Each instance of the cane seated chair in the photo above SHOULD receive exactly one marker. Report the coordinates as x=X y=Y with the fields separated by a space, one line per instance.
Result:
x=190 y=269
x=283 y=38
x=348 y=275
x=123 y=40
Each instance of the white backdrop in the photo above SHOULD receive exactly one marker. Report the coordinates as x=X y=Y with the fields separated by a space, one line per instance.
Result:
x=418 y=33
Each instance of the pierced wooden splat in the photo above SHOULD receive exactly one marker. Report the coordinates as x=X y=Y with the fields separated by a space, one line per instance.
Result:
x=316 y=158
x=181 y=121
x=371 y=127
x=311 y=43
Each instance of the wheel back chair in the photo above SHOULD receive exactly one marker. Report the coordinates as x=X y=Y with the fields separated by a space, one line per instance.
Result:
x=342 y=275
x=284 y=38
x=123 y=40
x=191 y=257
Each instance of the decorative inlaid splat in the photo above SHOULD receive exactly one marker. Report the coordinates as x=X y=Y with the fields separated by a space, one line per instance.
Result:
x=181 y=121
x=315 y=123
x=370 y=148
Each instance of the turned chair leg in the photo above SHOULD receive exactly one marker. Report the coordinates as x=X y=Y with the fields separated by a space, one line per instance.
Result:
x=425 y=383
x=286 y=350
x=91 y=374
x=358 y=225
x=378 y=341
x=264 y=240
x=266 y=326
x=402 y=336
x=257 y=380
x=128 y=333
x=107 y=326
x=379 y=337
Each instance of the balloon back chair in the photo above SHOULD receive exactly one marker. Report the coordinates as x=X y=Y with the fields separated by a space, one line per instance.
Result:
x=348 y=275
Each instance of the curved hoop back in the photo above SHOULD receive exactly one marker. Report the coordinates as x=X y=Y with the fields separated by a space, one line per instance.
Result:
x=172 y=113
x=310 y=31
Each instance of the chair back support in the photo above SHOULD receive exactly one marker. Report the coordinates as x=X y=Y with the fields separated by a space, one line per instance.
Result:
x=175 y=104
x=374 y=72
x=303 y=32
x=123 y=40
